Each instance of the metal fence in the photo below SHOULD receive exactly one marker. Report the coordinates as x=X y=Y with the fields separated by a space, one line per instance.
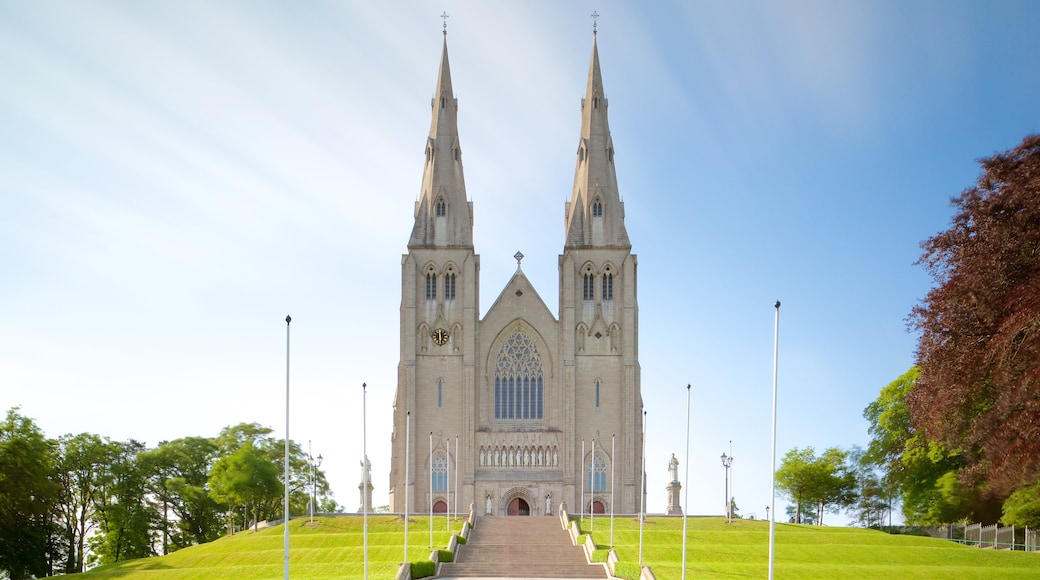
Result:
x=993 y=536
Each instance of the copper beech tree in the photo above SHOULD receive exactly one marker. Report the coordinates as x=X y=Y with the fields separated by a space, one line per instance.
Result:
x=979 y=347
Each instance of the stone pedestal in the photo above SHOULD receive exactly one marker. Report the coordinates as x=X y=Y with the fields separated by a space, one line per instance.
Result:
x=674 y=507
x=365 y=495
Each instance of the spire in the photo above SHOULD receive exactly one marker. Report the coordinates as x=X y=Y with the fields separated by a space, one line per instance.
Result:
x=595 y=214
x=443 y=215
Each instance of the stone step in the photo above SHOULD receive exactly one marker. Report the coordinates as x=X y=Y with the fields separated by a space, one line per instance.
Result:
x=520 y=547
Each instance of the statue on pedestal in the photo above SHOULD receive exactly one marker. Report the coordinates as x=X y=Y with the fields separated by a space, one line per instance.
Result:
x=673 y=488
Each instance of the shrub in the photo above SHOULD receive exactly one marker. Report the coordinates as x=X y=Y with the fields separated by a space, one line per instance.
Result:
x=423 y=569
x=461 y=540
x=627 y=570
x=580 y=541
x=445 y=556
x=600 y=555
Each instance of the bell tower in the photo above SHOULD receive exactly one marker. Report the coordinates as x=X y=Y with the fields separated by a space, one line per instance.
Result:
x=439 y=313
x=599 y=314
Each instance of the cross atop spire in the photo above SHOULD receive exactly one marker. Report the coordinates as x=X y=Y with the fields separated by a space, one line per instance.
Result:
x=595 y=17
x=445 y=17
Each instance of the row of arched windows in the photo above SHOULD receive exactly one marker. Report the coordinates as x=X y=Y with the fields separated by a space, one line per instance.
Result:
x=519 y=456
x=431 y=284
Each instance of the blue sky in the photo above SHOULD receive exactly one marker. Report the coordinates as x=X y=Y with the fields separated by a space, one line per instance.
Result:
x=175 y=178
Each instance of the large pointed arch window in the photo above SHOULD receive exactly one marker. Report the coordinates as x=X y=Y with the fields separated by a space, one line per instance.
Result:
x=441 y=207
x=597 y=208
x=439 y=481
x=596 y=472
x=518 y=380
x=608 y=285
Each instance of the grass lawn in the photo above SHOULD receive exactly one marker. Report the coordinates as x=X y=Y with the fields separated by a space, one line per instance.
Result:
x=716 y=549
x=330 y=548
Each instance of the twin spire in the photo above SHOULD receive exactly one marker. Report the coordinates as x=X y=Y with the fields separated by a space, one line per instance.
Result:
x=595 y=214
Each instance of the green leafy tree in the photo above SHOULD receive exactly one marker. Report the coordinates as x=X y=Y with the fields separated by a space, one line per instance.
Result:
x=82 y=473
x=247 y=478
x=1022 y=508
x=979 y=348
x=26 y=494
x=825 y=482
x=179 y=480
x=924 y=473
x=125 y=517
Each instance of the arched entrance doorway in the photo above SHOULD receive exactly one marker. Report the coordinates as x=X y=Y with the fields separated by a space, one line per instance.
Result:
x=439 y=507
x=519 y=507
x=597 y=507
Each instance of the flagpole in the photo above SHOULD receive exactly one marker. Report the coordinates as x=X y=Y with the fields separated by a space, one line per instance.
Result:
x=285 y=556
x=592 y=490
x=686 y=480
x=611 y=490
x=642 y=493
x=447 y=485
x=772 y=482
x=456 y=476
x=364 y=470
x=407 y=461
x=431 y=489
x=581 y=502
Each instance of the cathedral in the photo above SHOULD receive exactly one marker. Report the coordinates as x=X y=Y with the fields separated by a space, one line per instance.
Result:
x=523 y=409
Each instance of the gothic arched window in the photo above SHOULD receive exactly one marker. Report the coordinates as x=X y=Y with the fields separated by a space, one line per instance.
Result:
x=442 y=209
x=439 y=479
x=596 y=469
x=431 y=285
x=518 y=380
x=449 y=285
x=608 y=285
x=588 y=285
x=597 y=208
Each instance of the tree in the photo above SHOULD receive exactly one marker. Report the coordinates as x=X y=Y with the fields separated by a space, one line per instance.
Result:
x=925 y=473
x=124 y=515
x=26 y=494
x=246 y=478
x=82 y=473
x=179 y=479
x=1022 y=508
x=979 y=349
x=824 y=482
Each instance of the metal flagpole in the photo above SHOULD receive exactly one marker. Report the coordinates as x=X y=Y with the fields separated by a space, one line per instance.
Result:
x=686 y=480
x=581 y=502
x=407 y=460
x=456 y=476
x=447 y=485
x=364 y=471
x=611 y=490
x=772 y=482
x=592 y=489
x=431 y=489
x=285 y=556
x=642 y=493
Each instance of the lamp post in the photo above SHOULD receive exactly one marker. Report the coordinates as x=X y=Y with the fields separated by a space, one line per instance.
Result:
x=315 y=464
x=285 y=506
x=727 y=462
x=767 y=513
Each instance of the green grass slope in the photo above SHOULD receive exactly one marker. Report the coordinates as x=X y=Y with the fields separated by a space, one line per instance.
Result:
x=328 y=548
x=716 y=549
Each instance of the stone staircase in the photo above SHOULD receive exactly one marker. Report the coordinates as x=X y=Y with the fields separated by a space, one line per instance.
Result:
x=520 y=547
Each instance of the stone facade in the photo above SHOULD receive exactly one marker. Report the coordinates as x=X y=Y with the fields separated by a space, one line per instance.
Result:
x=520 y=393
